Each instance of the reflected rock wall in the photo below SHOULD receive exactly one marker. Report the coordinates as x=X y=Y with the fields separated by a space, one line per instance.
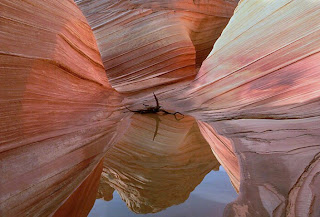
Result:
x=105 y=191
x=223 y=151
x=151 y=175
x=82 y=199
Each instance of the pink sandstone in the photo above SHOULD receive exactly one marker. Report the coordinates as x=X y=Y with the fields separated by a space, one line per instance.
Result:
x=58 y=114
x=255 y=96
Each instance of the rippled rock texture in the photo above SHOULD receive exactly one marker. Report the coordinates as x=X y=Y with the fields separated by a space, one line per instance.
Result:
x=57 y=108
x=145 y=44
x=259 y=88
x=151 y=175
x=255 y=96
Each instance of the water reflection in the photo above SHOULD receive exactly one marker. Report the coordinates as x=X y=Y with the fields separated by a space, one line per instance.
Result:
x=154 y=171
x=208 y=199
x=280 y=166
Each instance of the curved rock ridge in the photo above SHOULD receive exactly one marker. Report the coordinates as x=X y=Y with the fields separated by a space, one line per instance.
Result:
x=259 y=88
x=151 y=175
x=57 y=109
x=147 y=44
x=257 y=91
x=273 y=68
x=279 y=163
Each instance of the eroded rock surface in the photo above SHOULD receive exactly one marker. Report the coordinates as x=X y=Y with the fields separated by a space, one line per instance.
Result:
x=223 y=151
x=259 y=88
x=145 y=44
x=256 y=94
x=105 y=191
x=57 y=115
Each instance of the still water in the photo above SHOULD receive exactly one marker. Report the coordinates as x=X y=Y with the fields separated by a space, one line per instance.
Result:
x=184 y=168
x=208 y=199
x=162 y=167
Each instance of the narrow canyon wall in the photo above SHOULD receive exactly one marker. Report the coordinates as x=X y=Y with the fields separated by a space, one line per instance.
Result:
x=264 y=65
x=145 y=44
x=57 y=109
x=259 y=88
x=255 y=96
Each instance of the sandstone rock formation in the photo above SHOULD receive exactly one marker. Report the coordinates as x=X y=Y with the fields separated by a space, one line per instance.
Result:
x=259 y=87
x=255 y=97
x=145 y=44
x=151 y=175
x=58 y=112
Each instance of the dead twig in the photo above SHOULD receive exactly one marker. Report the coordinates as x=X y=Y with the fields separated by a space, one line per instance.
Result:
x=155 y=109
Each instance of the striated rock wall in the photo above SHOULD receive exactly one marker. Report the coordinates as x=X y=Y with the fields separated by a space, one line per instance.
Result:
x=145 y=44
x=255 y=97
x=259 y=88
x=268 y=68
x=57 y=109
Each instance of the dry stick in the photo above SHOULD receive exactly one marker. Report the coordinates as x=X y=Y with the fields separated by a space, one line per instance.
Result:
x=155 y=109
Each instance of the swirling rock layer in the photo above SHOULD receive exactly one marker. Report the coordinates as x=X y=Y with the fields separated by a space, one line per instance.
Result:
x=257 y=94
x=57 y=108
x=259 y=88
x=81 y=201
x=147 y=44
